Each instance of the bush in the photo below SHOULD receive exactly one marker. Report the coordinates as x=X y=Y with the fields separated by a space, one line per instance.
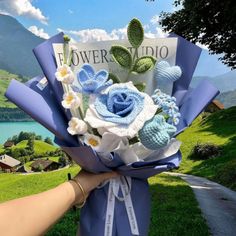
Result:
x=48 y=140
x=205 y=151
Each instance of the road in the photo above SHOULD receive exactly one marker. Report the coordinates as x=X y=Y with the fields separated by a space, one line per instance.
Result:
x=217 y=203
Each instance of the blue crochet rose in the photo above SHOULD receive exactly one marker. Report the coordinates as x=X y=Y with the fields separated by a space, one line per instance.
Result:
x=121 y=110
x=156 y=133
x=120 y=105
x=91 y=82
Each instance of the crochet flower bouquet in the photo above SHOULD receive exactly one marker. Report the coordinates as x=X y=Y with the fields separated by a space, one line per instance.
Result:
x=107 y=123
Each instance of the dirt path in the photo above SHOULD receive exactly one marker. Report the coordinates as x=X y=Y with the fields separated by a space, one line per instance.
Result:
x=217 y=203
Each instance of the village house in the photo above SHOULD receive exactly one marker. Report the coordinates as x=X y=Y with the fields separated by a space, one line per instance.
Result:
x=45 y=165
x=8 y=144
x=8 y=164
x=214 y=106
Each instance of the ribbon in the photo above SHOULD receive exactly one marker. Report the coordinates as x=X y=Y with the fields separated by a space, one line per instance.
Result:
x=123 y=183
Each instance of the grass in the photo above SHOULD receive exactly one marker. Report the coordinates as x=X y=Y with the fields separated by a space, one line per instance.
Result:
x=174 y=208
x=218 y=128
x=40 y=147
x=1 y=149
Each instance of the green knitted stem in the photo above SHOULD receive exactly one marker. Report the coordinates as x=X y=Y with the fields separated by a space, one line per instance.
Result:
x=114 y=78
x=140 y=86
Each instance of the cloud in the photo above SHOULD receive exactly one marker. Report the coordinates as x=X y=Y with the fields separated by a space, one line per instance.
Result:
x=38 y=32
x=155 y=19
x=202 y=46
x=91 y=35
x=70 y=11
x=22 y=8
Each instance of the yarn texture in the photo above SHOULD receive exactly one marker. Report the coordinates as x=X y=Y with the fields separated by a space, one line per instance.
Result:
x=156 y=133
x=163 y=71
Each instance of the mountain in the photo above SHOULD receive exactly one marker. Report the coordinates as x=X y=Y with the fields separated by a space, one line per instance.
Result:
x=16 y=44
x=228 y=98
x=225 y=82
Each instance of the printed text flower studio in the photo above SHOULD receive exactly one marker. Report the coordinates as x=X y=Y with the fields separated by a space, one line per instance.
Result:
x=97 y=53
x=102 y=55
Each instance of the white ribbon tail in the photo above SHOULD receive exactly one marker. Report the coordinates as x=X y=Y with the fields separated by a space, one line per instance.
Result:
x=115 y=184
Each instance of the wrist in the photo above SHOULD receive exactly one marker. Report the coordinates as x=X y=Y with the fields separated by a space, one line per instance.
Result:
x=80 y=195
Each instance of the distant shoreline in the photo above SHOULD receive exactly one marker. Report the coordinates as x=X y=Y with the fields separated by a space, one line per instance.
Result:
x=13 y=115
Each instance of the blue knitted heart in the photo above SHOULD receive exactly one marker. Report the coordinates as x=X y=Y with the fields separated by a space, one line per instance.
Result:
x=156 y=133
x=163 y=71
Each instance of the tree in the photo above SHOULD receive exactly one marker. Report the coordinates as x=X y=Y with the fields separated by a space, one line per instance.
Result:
x=30 y=145
x=209 y=22
x=48 y=140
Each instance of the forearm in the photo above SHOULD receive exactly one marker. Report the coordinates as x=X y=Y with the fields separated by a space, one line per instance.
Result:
x=33 y=215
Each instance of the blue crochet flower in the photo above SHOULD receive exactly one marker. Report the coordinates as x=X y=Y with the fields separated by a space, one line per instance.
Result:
x=156 y=133
x=121 y=105
x=92 y=82
x=168 y=105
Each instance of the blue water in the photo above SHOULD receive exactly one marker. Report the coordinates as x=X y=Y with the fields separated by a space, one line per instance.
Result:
x=8 y=129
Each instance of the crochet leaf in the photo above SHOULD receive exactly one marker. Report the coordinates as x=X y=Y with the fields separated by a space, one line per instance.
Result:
x=140 y=86
x=144 y=64
x=135 y=33
x=122 y=56
x=114 y=78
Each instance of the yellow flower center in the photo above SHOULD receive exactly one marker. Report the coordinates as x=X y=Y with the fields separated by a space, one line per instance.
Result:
x=63 y=72
x=93 y=142
x=69 y=99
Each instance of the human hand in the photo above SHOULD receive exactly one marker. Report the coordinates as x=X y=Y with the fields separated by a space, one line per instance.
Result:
x=89 y=181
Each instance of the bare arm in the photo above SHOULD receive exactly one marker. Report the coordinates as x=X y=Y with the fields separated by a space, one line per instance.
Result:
x=35 y=214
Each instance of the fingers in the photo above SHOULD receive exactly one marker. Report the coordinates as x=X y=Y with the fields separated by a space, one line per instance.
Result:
x=108 y=175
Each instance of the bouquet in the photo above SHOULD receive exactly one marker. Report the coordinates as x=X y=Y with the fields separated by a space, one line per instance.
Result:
x=107 y=122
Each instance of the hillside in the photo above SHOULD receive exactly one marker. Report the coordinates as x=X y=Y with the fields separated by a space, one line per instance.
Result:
x=225 y=82
x=39 y=146
x=5 y=79
x=218 y=128
x=8 y=111
x=16 y=44
x=228 y=98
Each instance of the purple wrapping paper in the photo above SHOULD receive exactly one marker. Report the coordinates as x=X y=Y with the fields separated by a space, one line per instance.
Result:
x=45 y=107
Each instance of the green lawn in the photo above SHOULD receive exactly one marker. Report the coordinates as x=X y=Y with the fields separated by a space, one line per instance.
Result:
x=218 y=128
x=40 y=147
x=174 y=208
x=1 y=148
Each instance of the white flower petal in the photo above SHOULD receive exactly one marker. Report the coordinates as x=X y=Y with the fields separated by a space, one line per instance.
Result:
x=77 y=126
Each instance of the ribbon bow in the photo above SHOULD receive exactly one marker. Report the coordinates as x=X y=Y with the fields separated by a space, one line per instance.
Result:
x=123 y=183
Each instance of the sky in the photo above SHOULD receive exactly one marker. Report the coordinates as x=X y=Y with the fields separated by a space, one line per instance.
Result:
x=90 y=20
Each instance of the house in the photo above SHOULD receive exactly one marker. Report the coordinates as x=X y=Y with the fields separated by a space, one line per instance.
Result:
x=214 y=106
x=8 y=144
x=9 y=164
x=45 y=165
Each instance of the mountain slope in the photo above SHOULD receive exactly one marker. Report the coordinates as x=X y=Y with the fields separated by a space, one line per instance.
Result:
x=228 y=98
x=16 y=44
x=220 y=129
x=225 y=82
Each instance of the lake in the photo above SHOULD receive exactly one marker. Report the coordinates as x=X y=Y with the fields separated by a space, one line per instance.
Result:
x=8 y=129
